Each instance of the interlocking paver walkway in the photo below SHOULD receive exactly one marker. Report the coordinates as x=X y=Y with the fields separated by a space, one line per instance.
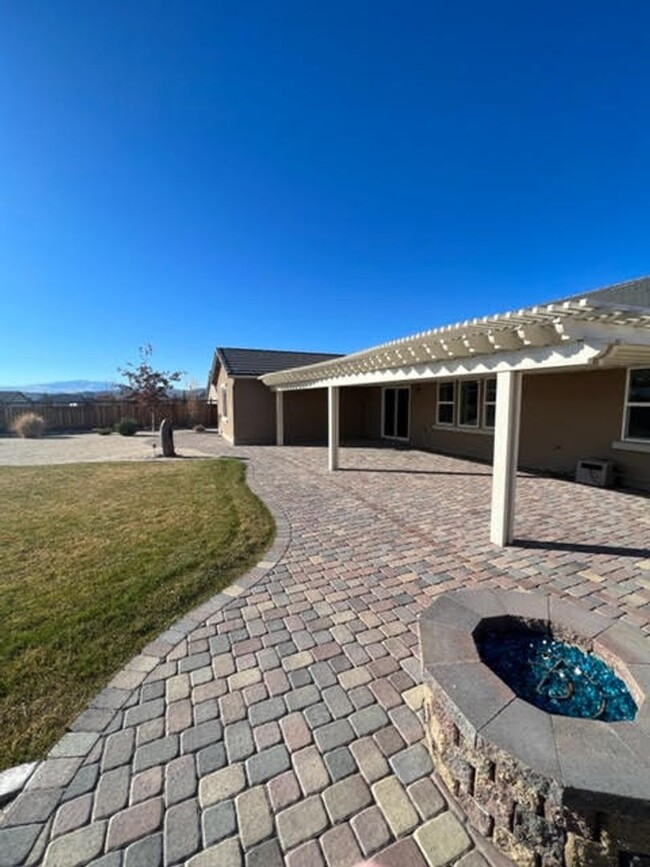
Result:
x=279 y=723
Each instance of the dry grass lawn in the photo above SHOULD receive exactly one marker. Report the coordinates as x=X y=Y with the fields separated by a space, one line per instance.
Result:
x=95 y=561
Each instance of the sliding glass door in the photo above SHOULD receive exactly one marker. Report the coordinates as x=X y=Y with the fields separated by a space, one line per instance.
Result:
x=395 y=413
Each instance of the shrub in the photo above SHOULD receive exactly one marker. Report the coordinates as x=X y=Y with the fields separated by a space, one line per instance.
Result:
x=29 y=425
x=104 y=431
x=199 y=428
x=127 y=427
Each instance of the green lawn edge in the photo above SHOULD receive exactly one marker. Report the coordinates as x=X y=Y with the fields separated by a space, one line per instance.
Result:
x=96 y=560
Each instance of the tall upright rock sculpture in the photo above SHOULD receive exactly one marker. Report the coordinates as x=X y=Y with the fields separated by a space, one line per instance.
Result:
x=167 y=438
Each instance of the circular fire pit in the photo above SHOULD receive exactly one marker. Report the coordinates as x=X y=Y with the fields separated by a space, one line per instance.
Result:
x=554 y=675
x=565 y=783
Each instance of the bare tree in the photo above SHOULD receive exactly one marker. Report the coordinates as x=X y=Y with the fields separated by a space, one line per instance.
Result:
x=147 y=386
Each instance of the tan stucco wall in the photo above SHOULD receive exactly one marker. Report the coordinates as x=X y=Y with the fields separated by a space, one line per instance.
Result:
x=226 y=426
x=360 y=413
x=426 y=435
x=254 y=406
x=568 y=416
x=305 y=416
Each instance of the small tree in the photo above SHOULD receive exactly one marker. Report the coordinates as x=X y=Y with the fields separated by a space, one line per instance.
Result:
x=147 y=386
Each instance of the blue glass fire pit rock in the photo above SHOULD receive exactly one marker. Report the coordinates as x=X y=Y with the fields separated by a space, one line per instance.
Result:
x=557 y=677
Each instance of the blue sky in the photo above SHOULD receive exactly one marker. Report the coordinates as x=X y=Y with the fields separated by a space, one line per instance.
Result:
x=307 y=176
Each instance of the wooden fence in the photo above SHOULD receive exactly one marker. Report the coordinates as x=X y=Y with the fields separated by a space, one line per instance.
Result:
x=88 y=415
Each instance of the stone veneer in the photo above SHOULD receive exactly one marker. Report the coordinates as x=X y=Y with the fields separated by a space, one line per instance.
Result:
x=545 y=790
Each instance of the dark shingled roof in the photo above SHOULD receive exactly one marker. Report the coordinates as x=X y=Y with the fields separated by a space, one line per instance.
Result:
x=632 y=293
x=257 y=362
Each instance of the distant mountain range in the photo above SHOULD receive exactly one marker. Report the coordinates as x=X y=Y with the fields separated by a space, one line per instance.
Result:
x=86 y=389
x=69 y=386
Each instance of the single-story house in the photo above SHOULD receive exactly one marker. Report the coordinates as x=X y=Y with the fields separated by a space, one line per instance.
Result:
x=246 y=406
x=541 y=388
x=14 y=398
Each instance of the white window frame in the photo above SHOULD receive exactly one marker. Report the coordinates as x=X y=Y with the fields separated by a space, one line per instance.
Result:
x=223 y=403
x=477 y=423
x=486 y=402
x=454 y=385
x=631 y=403
x=395 y=388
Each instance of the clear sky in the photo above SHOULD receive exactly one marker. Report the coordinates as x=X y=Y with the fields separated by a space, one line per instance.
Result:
x=300 y=175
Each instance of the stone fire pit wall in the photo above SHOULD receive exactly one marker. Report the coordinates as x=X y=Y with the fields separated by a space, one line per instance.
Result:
x=545 y=790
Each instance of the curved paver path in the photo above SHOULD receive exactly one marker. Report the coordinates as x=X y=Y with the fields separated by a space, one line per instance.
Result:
x=278 y=724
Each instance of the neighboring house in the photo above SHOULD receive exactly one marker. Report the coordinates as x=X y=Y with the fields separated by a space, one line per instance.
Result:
x=539 y=388
x=247 y=407
x=14 y=398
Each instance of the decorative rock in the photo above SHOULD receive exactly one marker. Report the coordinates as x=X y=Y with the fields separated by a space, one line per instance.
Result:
x=167 y=438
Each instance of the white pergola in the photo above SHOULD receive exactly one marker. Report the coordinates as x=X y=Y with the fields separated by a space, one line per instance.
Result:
x=564 y=335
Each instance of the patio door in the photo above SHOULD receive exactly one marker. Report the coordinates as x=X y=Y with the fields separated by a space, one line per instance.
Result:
x=395 y=413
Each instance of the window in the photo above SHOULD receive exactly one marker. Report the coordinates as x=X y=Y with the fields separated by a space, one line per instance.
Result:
x=446 y=402
x=467 y=403
x=489 y=402
x=223 y=409
x=469 y=406
x=395 y=423
x=637 y=405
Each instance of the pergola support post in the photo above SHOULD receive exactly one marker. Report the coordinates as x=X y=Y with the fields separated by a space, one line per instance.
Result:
x=279 y=418
x=506 y=452
x=333 y=427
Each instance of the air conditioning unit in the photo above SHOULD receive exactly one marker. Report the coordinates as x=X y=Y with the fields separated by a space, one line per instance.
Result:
x=595 y=471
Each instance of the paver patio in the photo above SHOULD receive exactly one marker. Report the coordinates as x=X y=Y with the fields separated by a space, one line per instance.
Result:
x=279 y=723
